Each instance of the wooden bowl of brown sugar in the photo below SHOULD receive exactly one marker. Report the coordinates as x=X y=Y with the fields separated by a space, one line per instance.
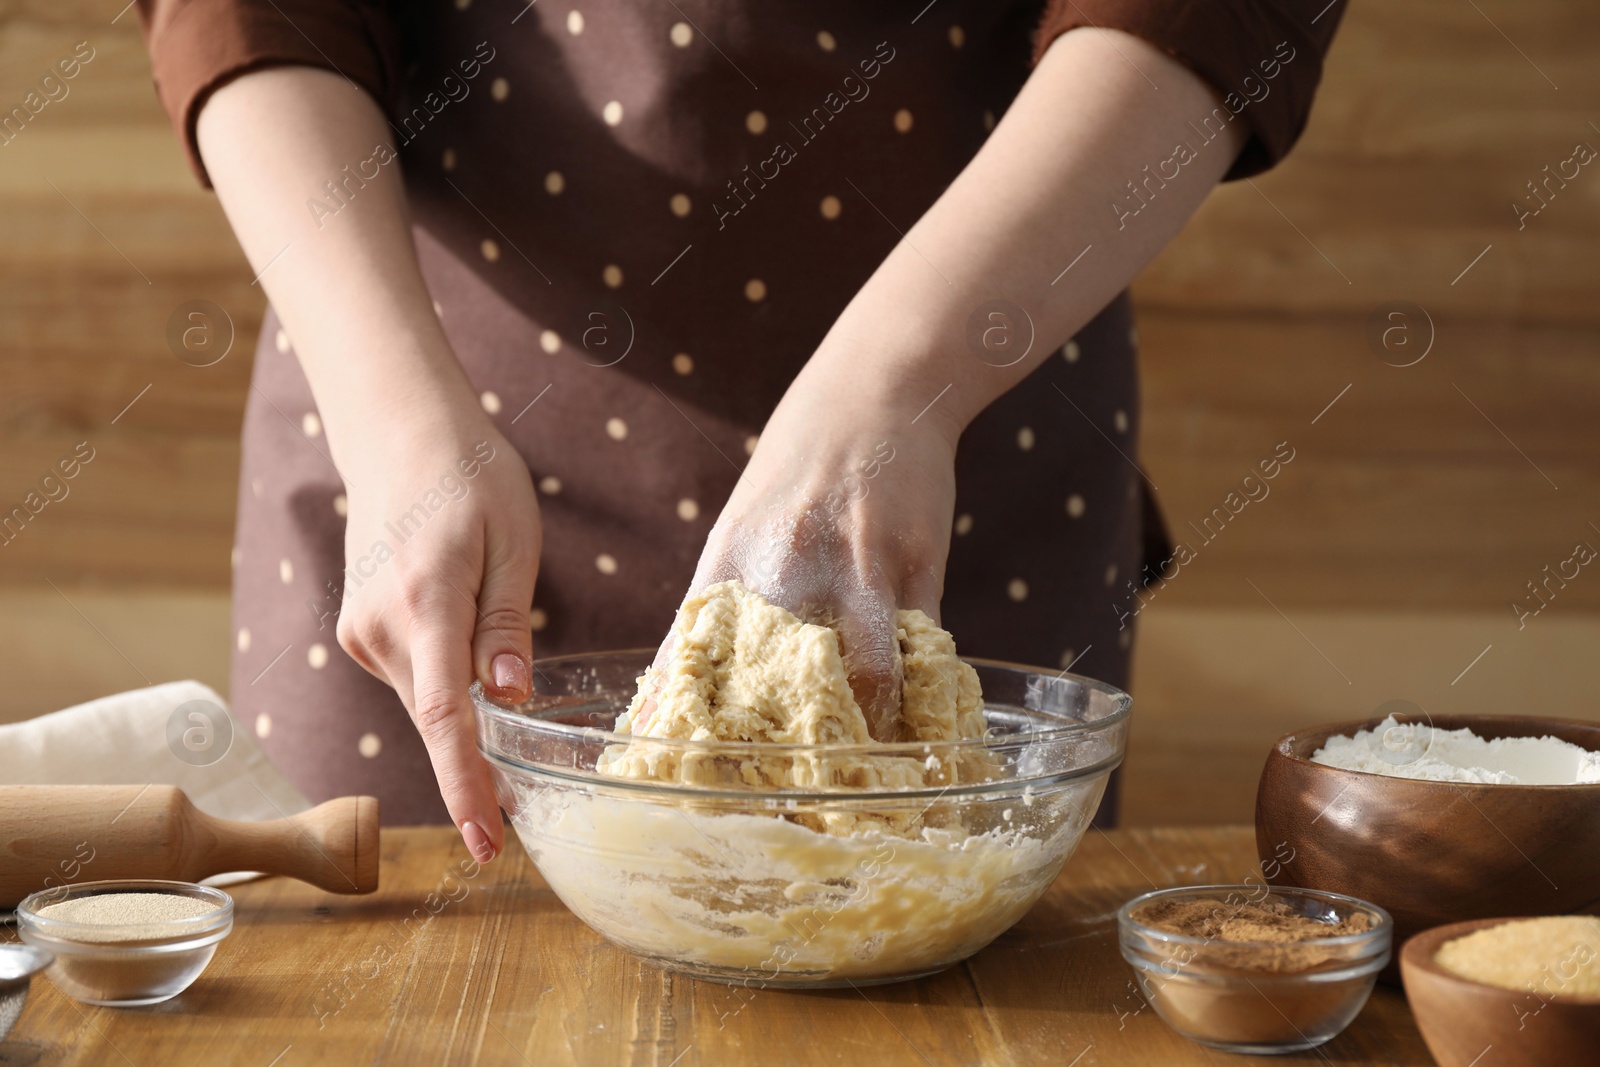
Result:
x=1507 y=992
x=1431 y=852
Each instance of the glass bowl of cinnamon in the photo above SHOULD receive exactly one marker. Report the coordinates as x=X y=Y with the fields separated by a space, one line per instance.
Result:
x=1255 y=968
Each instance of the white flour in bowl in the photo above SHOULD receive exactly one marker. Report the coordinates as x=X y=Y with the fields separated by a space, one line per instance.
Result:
x=1414 y=750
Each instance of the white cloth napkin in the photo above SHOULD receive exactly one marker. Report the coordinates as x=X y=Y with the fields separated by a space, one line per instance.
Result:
x=153 y=736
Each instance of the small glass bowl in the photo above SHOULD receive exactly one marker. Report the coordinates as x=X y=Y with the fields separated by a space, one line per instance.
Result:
x=1256 y=996
x=156 y=963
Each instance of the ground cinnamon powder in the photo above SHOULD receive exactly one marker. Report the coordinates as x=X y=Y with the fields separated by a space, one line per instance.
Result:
x=1274 y=950
x=1274 y=929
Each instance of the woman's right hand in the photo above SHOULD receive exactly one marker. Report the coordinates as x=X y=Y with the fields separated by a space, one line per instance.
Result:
x=441 y=553
x=436 y=598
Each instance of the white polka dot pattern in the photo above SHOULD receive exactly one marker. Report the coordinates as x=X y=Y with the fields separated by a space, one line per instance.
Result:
x=1044 y=596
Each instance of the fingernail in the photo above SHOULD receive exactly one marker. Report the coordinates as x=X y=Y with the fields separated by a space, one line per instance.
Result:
x=478 y=842
x=510 y=672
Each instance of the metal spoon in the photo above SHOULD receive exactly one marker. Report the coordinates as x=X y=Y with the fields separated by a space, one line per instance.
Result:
x=18 y=965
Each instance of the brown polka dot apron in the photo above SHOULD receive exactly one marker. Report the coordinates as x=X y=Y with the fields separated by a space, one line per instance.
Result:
x=634 y=239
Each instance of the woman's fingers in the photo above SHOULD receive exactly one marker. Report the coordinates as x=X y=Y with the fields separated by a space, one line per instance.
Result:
x=871 y=654
x=441 y=673
x=502 y=641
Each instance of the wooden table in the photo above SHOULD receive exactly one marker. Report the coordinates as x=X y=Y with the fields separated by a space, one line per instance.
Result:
x=504 y=974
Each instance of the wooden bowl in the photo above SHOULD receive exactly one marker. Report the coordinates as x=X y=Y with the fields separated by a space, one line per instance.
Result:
x=1466 y=1022
x=1432 y=853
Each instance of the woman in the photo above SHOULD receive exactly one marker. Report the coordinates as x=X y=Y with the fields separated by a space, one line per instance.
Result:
x=630 y=242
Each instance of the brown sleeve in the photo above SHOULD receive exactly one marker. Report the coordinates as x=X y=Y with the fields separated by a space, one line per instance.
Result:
x=1263 y=56
x=197 y=46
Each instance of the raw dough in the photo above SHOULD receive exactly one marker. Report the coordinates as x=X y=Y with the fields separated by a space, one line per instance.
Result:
x=744 y=670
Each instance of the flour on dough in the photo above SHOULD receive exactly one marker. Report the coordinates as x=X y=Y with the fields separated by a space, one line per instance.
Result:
x=744 y=670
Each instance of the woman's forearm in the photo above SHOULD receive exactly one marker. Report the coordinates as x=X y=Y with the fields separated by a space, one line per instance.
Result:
x=451 y=603
x=1040 y=192
x=345 y=282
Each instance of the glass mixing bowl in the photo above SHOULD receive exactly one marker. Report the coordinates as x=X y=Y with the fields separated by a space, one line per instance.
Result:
x=842 y=882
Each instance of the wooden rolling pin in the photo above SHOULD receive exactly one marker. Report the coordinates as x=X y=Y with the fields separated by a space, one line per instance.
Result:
x=56 y=834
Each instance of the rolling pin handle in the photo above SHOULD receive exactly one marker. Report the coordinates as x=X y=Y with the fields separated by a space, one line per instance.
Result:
x=345 y=831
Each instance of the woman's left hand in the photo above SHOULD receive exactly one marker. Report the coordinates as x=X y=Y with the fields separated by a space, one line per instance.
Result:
x=843 y=517
x=844 y=513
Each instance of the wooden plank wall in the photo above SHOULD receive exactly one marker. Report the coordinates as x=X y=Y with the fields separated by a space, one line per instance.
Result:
x=1402 y=495
x=1429 y=124
x=102 y=235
